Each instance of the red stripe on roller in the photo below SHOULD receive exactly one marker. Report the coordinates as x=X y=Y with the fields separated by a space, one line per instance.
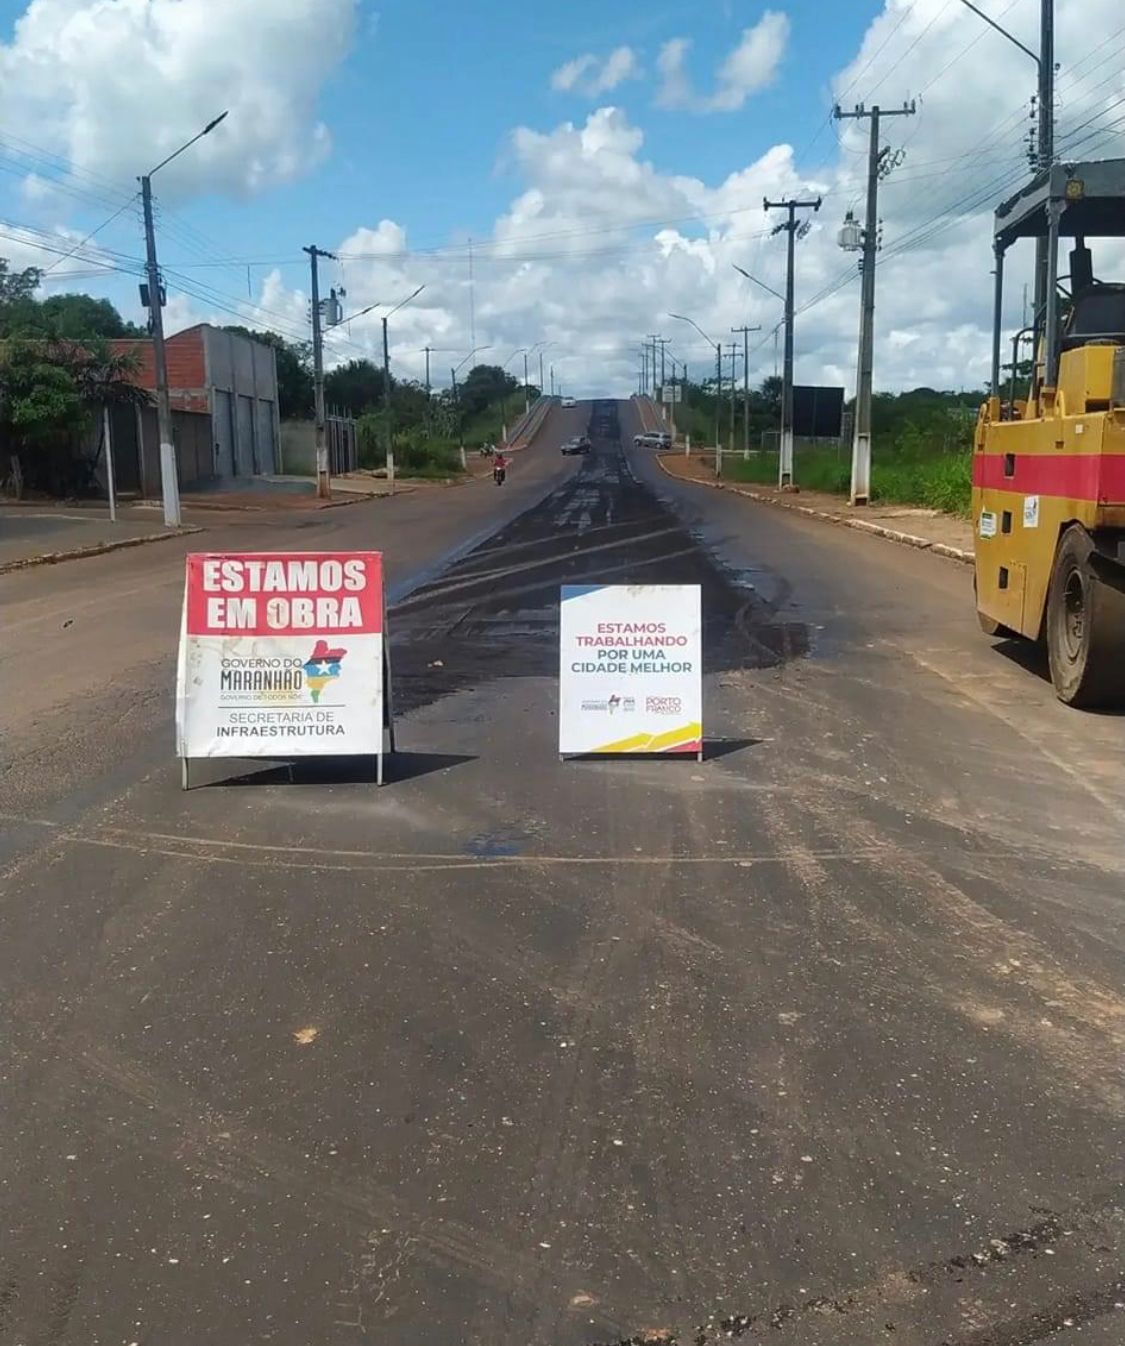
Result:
x=1075 y=476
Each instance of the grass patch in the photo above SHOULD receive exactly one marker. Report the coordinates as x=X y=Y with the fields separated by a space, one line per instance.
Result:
x=934 y=479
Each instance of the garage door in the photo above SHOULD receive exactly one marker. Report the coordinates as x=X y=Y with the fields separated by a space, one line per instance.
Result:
x=267 y=445
x=247 y=448
x=223 y=430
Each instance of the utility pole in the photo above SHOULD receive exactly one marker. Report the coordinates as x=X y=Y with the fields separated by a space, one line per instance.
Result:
x=552 y=380
x=323 y=487
x=718 y=402
x=540 y=373
x=169 y=475
x=732 y=356
x=652 y=361
x=1045 y=118
x=662 y=342
x=526 y=389
x=746 y=386
x=428 y=349
x=790 y=227
x=879 y=161
x=387 y=392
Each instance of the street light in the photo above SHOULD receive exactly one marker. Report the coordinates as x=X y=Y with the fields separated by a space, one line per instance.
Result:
x=457 y=397
x=542 y=346
x=758 y=282
x=387 y=361
x=718 y=374
x=1045 y=63
x=169 y=477
x=520 y=350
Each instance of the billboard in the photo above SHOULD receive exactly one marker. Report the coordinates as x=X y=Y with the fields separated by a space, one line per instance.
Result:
x=817 y=411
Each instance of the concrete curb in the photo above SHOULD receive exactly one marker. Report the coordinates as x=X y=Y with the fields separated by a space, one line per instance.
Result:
x=98 y=549
x=863 y=525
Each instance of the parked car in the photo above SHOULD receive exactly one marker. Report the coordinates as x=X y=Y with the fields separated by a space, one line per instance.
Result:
x=579 y=444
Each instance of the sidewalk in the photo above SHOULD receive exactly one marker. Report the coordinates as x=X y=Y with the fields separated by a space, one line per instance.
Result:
x=927 y=529
x=42 y=533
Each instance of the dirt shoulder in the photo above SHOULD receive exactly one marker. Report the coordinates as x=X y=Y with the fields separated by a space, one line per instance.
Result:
x=927 y=529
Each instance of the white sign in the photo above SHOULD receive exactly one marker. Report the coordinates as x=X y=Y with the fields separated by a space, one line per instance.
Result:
x=987 y=523
x=631 y=669
x=1031 y=511
x=282 y=655
x=671 y=392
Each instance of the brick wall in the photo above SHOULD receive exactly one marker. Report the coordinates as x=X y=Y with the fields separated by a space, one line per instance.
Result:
x=187 y=368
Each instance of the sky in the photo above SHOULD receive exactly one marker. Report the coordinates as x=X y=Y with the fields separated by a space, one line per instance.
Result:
x=562 y=177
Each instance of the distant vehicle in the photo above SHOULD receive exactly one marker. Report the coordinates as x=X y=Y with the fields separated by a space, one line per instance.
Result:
x=569 y=402
x=652 y=439
x=579 y=444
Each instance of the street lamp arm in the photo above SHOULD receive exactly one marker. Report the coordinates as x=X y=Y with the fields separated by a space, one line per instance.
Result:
x=403 y=302
x=188 y=144
x=1002 y=31
x=680 y=318
x=761 y=284
x=475 y=351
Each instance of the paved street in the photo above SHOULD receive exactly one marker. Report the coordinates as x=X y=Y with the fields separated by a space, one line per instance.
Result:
x=816 y=1042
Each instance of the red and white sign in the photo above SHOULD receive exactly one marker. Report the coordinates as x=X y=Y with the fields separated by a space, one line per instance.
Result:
x=282 y=655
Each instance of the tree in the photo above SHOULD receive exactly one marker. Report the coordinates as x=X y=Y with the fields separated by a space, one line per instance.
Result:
x=62 y=317
x=50 y=393
x=355 y=387
x=75 y=317
x=295 y=392
x=17 y=286
x=17 y=298
x=484 y=385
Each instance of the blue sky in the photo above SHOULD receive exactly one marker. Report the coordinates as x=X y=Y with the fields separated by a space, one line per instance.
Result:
x=388 y=130
x=421 y=110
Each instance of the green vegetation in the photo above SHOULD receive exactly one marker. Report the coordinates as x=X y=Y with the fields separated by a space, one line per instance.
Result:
x=426 y=430
x=57 y=372
x=921 y=450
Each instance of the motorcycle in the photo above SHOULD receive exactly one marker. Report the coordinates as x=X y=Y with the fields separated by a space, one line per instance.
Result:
x=498 y=475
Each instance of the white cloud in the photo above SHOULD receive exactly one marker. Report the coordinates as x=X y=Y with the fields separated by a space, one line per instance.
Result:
x=749 y=68
x=115 y=85
x=593 y=76
x=753 y=64
x=597 y=245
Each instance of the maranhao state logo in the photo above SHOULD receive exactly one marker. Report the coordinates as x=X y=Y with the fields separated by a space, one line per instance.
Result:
x=321 y=668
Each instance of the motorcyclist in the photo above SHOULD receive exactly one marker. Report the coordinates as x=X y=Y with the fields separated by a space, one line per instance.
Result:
x=500 y=467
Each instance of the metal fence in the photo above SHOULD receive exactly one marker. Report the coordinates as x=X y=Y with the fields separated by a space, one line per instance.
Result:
x=343 y=447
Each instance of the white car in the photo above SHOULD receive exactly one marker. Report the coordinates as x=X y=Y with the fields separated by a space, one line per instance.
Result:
x=569 y=402
x=652 y=439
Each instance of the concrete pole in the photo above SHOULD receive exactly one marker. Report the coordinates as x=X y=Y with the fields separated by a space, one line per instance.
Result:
x=387 y=402
x=861 y=438
x=861 y=430
x=169 y=475
x=111 y=484
x=323 y=476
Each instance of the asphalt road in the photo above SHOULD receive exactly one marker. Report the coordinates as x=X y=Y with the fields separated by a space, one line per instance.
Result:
x=817 y=1042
